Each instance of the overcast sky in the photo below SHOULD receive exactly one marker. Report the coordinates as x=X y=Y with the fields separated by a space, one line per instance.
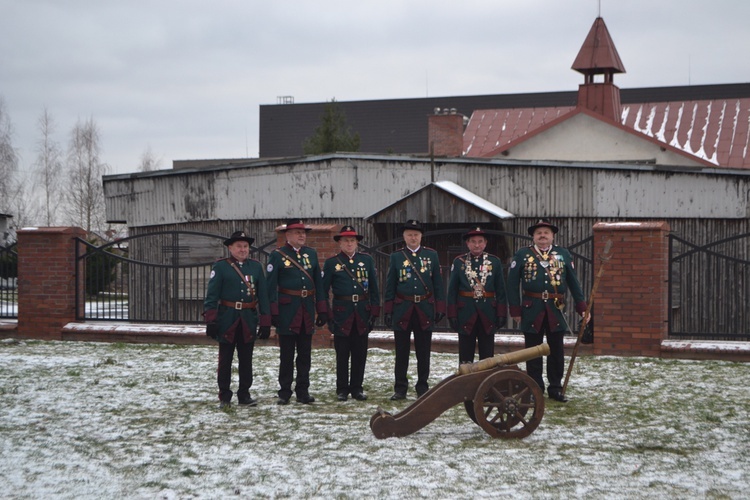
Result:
x=186 y=78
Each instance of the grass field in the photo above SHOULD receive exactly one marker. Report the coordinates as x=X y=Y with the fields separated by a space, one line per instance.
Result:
x=87 y=420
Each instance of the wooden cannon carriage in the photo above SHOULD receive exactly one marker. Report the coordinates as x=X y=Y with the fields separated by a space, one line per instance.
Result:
x=497 y=395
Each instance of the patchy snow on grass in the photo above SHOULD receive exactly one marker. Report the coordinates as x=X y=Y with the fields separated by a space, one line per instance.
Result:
x=96 y=420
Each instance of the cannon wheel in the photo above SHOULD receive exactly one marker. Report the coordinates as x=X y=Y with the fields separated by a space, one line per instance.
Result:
x=508 y=404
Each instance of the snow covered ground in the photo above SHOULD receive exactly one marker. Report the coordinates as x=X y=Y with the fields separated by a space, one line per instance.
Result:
x=91 y=420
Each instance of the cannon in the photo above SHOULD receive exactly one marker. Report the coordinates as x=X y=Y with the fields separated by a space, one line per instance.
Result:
x=497 y=395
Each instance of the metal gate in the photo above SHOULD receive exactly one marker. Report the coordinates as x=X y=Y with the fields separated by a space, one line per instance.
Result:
x=161 y=277
x=709 y=286
x=502 y=244
x=8 y=281
x=157 y=277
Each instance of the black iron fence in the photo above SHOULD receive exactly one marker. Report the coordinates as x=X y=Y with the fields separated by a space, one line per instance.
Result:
x=709 y=288
x=162 y=277
x=8 y=281
x=503 y=244
x=157 y=277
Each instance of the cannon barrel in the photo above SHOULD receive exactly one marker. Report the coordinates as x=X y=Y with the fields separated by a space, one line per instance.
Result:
x=510 y=358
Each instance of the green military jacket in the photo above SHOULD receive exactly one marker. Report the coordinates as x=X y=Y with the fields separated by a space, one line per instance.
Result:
x=479 y=276
x=403 y=285
x=531 y=272
x=295 y=309
x=225 y=284
x=356 y=296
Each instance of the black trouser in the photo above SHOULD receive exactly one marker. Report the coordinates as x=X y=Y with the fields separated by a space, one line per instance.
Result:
x=287 y=345
x=467 y=344
x=245 y=360
x=355 y=345
x=555 y=360
x=422 y=346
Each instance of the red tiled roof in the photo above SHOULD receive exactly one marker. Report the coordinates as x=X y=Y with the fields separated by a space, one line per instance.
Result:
x=717 y=130
x=489 y=129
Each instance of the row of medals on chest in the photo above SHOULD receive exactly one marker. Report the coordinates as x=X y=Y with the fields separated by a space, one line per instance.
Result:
x=550 y=263
x=360 y=272
x=304 y=258
x=425 y=264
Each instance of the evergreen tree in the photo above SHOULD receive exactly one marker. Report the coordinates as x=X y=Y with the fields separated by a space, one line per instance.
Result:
x=333 y=133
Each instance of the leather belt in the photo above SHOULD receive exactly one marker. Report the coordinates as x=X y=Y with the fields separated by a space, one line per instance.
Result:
x=297 y=293
x=414 y=298
x=476 y=294
x=545 y=295
x=239 y=305
x=353 y=298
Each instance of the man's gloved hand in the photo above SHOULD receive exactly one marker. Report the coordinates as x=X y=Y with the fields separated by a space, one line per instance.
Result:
x=210 y=315
x=322 y=319
x=438 y=317
x=388 y=320
x=212 y=330
x=264 y=332
x=275 y=320
x=454 y=323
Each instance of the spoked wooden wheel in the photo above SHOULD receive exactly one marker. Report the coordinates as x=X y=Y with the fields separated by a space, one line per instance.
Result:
x=508 y=404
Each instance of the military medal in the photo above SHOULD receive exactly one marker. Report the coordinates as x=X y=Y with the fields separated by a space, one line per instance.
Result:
x=544 y=264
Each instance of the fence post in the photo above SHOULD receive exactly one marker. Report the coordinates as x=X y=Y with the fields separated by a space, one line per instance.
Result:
x=47 y=280
x=631 y=306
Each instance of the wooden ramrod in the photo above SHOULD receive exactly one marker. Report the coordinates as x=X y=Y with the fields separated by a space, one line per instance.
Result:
x=497 y=396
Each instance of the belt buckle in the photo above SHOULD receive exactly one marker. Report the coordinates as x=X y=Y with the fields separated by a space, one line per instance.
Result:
x=303 y=294
x=478 y=294
x=355 y=298
x=238 y=306
x=545 y=295
x=417 y=299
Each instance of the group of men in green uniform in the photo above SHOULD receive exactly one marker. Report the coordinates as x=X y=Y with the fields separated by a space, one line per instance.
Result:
x=243 y=302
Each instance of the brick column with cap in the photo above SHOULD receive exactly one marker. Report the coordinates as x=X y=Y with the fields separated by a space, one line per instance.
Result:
x=320 y=237
x=47 y=281
x=631 y=304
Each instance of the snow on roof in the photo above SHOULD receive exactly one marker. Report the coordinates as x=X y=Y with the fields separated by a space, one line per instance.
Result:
x=471 y=198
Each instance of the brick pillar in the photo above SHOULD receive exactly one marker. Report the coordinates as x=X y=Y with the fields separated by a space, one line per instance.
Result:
x=630 y=308
x=47 y=281
x=321 y=239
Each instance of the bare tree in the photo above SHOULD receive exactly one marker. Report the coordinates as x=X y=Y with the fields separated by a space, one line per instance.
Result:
x=48 y=167
x=85 y=194
x=8 y=160
x=149 y=162
x=23 y=205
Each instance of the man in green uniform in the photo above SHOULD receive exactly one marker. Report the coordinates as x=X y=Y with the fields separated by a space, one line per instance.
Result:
x=476 y=298
x=236 y=306
x=295 y=290
x=352 y=277
x=414 y=302
x=544 y=272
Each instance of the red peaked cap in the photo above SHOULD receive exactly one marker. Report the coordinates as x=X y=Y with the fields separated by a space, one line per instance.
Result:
x=295 y=224
x=348 y=231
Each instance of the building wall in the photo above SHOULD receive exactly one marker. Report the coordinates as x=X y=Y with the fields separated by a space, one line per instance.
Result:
x=357 y=186
x=584 y=138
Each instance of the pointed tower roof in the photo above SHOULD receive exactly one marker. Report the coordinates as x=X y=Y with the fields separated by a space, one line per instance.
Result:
x=598 y=54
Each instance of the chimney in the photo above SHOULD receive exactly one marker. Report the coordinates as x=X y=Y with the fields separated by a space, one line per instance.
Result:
x=445 y=133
